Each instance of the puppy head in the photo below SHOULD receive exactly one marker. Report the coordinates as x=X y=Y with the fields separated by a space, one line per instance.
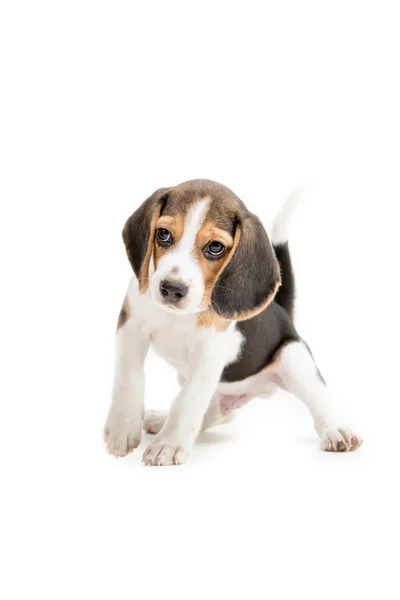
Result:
x=196 y=247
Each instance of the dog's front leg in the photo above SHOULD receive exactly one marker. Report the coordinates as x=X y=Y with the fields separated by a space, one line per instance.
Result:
x=175 y=440
x=123 y=428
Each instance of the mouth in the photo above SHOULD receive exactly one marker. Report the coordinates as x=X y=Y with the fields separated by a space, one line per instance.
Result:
x=178 y=308
x=170 y=306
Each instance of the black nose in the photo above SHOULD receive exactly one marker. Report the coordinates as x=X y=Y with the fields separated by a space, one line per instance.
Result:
x=173 y=291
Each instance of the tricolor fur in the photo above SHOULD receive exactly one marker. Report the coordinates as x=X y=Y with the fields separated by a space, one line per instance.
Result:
x=215 y=299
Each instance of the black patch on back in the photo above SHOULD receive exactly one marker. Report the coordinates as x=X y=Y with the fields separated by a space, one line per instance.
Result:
x=263 y=335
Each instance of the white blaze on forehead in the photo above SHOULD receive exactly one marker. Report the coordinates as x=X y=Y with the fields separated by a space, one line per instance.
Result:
x=193 y=222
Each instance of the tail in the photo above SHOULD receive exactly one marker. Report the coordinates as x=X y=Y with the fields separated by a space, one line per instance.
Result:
x=280 y=235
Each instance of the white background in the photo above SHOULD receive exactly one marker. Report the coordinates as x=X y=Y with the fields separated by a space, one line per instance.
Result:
x=101 y=103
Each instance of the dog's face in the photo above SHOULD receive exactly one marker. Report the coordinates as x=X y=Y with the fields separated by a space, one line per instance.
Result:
x=196 y=247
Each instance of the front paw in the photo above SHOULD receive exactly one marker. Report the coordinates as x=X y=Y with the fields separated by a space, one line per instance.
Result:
x=164 y=453
x=122 y=434
x=340 y=440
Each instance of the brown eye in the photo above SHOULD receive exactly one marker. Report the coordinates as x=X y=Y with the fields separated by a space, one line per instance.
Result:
x=164 y=236
x=214 y=250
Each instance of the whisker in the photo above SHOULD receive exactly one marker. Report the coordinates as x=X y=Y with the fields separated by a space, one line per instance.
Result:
x=224 y=287
x=214 y=303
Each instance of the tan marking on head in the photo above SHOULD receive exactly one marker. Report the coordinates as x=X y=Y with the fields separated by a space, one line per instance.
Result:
x=124 y=314
x=212 y=232
x=211 y=269
x=175 y=226
x=167 y=221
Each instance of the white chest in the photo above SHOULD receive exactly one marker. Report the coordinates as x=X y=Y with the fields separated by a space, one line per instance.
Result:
x=173 y=342
x=179 y=341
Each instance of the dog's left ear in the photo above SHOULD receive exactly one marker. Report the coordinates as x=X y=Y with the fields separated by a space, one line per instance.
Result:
x=138 y=235
x=250 y=277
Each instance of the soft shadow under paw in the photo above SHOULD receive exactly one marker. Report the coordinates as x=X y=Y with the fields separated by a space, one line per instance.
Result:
x=214 y=437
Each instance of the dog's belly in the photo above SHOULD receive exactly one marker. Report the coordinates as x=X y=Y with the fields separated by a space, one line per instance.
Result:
x=235 y=394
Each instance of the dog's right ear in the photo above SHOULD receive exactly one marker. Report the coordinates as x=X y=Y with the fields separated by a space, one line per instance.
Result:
x=251 y=273
x=138 y=235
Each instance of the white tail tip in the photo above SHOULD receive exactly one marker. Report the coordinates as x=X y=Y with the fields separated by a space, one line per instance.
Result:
x=281 y=226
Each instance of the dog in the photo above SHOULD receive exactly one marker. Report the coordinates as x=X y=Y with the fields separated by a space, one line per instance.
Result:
x=215 y=299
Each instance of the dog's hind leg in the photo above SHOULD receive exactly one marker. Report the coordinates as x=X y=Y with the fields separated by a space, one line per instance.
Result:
x=154 y=421
x=296 y=372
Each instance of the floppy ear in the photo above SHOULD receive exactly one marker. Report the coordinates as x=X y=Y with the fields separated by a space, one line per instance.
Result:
x=138 y=235
x=250 y=278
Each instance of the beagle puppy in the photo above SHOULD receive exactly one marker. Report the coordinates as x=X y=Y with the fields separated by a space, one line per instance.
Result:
x=215 y=299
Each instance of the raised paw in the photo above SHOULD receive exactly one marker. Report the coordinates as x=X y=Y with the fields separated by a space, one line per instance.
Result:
x=154 y=421
x=340 y=440
x=163 y=454
x=121 y=436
